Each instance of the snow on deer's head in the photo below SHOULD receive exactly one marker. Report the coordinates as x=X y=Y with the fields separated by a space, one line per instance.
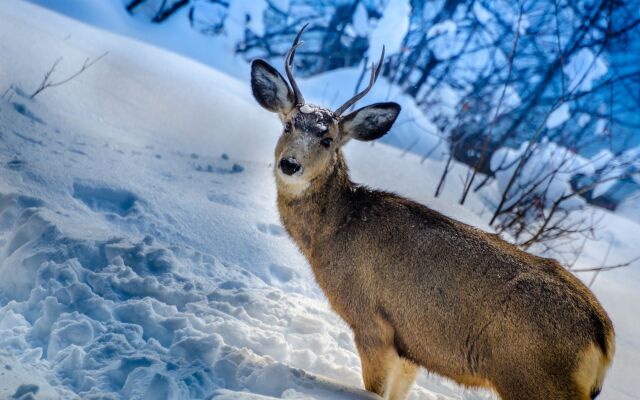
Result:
x=312 y=135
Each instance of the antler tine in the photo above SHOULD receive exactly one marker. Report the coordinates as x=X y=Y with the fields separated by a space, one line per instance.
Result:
x=288 y=62
x=375 y=71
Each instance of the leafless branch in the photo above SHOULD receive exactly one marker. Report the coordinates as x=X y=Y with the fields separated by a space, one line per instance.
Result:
x=608 y=267
x=47 y=83
x=485 y=144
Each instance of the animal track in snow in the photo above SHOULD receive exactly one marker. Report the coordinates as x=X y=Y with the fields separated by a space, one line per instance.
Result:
x=233 y=169
x=231 y=285
x=26 y=391
x=28 y=139
x=224 y=199
x=218 y=167
x=106 y=199
x=282 y=273
x=22 y=109
x=15 y=164
x=270 y=229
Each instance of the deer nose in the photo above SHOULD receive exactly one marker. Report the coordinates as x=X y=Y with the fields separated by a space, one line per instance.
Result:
x=289 y=166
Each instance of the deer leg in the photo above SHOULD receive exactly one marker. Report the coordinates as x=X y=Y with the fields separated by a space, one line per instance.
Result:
x=377 y=366
x=382 y=368
x=400 y=379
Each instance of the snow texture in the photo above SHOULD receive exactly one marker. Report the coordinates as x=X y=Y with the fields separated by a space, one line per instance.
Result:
x=390 y=29
x=140 y=250
x=583 y=69
x=559 y=116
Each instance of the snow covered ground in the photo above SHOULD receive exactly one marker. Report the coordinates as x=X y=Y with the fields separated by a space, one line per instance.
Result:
x=141 y=255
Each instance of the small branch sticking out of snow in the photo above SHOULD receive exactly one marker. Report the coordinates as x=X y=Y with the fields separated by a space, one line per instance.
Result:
x=46 y=81
x=8 y=93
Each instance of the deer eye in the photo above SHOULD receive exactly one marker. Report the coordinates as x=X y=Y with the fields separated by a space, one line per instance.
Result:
x=287 y=127
x=326 y=142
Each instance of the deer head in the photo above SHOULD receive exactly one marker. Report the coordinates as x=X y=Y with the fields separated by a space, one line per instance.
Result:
x=313 y=135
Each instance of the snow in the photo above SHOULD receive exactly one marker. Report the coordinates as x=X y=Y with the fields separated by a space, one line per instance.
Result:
x=523 y=25
x=559 y=116
x=510 y=101
x=241 y=11
x=361 y=20
x=174 y=34
x=447 y=28
x=601 y=159
x=601 y=127
x=282 y=5
x=630 y=208
x=13 y=376
x=583 y=69
x=483 y=15
x=140 y=250
x=551 y=165
x=583 y=120
x=390 y=29
x=308 y=109
x=442 y=39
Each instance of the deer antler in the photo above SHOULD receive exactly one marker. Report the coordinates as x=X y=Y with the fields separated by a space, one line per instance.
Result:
x=288 y=62
x=375 y=71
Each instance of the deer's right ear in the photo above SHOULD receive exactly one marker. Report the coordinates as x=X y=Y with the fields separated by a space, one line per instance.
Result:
x=270 y=89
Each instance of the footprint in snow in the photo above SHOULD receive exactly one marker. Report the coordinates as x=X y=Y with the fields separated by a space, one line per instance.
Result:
x=224 y=199
x=22 y=109
x=15 y=165
x=26 y=391
x=233 y=169
x=231 y=285
x=28 y=139
x=225 y=167
x=270 y=229
x=106 y=199
x=82 y=153
x=282 y=273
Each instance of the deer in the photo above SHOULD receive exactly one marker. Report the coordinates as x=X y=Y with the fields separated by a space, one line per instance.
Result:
x=416 y=287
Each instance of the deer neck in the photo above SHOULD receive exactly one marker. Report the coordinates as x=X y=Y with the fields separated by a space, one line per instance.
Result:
x=312 y=216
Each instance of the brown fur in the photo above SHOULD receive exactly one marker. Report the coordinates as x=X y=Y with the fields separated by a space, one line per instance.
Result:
x=422 y=288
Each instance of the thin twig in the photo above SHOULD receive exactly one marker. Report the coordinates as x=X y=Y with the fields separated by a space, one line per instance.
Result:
x=485 y=145
x=607 y=267
x=604 y=261
x=46 y=83
x=6 y=92
x=409 y=147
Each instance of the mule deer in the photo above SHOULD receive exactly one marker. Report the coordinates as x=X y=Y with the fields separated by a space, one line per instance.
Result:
x=417 y=287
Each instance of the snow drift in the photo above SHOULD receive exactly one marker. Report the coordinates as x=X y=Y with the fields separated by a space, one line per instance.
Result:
x=140 y=250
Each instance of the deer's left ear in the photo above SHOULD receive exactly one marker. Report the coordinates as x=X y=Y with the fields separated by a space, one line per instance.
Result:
x=270 y=88
x=370 y=122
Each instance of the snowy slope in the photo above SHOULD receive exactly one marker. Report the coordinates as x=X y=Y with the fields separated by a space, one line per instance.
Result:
x=140 y=250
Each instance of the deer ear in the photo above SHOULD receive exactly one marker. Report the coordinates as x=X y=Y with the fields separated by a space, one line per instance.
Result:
x=270 y=88
x=370 y=122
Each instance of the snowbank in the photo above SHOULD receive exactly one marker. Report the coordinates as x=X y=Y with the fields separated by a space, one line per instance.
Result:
x=140 y=250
